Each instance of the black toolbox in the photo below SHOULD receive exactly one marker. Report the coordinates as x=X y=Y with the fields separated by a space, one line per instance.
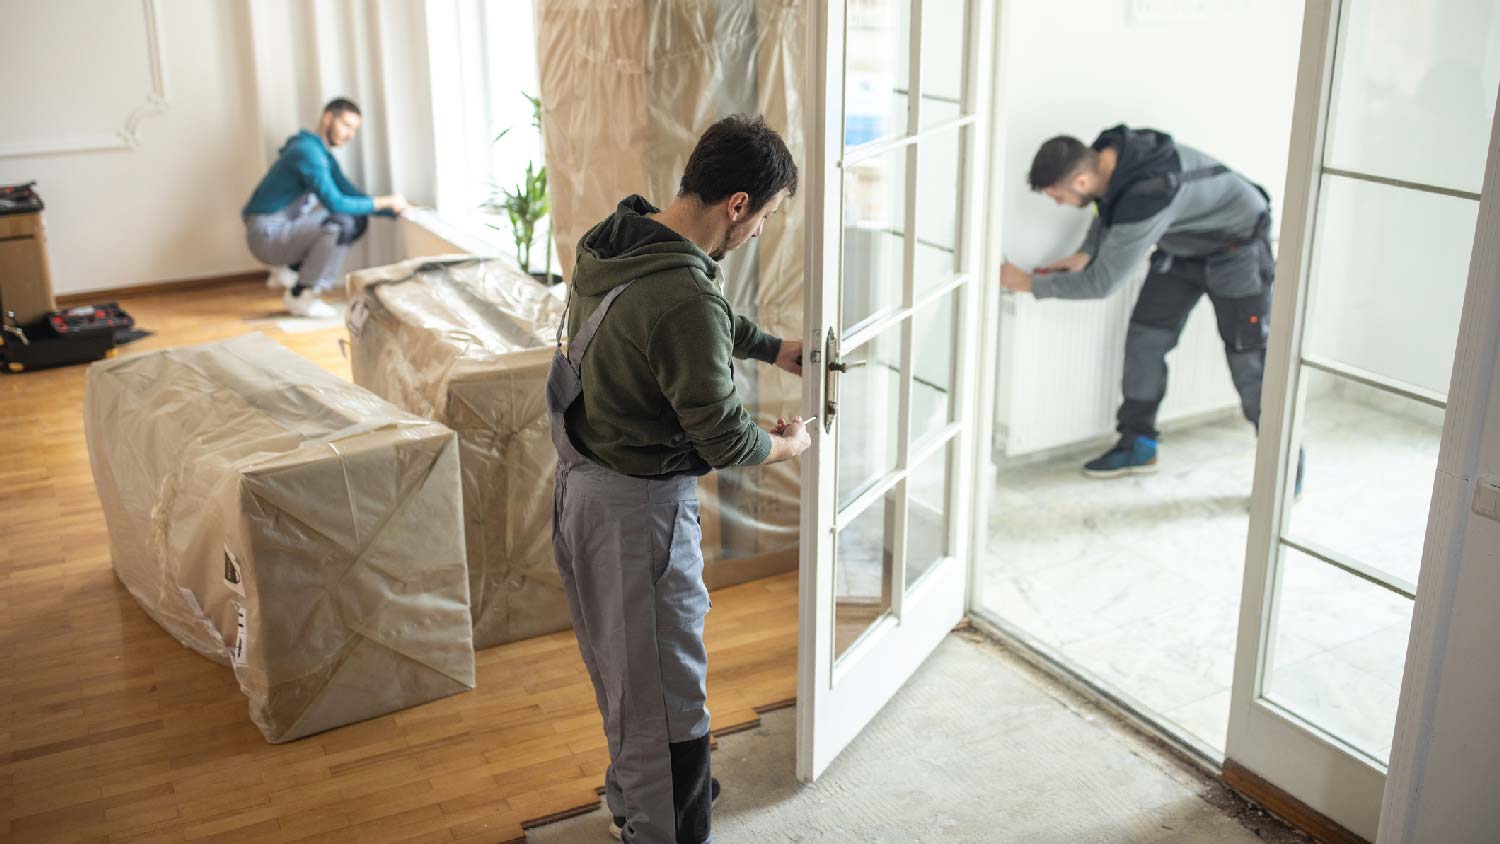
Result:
x=62 y=338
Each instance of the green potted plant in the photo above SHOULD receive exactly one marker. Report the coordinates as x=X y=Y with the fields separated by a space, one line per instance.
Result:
x=526 y=205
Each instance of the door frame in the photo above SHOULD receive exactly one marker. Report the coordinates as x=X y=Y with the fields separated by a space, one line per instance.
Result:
x=990 y=295
x=1470 y=439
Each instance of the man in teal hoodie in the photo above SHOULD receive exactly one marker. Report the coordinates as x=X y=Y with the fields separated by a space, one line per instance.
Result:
x=305 y=213
x=642 y=403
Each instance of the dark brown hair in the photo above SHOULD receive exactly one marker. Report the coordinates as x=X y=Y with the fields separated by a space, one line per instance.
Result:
x=1058 y=159
x=338 y=105
x=739 y=153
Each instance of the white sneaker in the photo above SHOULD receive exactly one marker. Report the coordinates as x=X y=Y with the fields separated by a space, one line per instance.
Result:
x=308 y=305
x=281 y=278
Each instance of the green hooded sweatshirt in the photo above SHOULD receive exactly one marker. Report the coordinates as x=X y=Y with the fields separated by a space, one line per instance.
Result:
x=658 y=380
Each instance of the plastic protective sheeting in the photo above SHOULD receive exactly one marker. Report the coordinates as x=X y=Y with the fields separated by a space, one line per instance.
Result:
x=627 y=88
x=286 y=523
x=469 y=342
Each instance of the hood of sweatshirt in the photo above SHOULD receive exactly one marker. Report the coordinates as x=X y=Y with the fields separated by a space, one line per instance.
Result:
x=1143 y=154
x=630 y=245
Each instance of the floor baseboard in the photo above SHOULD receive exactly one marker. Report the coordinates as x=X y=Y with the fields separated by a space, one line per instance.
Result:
x=87 y=297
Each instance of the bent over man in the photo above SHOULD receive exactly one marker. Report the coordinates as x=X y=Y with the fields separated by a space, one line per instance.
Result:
x=1208 y=231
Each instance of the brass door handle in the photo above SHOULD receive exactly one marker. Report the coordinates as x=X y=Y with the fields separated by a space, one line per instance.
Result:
x=835 y=368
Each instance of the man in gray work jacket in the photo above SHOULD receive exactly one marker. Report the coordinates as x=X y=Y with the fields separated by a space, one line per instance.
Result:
x=1210 y=231
x=642 y=402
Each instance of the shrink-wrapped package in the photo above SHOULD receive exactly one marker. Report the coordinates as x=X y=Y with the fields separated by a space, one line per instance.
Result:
x=468 y=342
x=286 y=523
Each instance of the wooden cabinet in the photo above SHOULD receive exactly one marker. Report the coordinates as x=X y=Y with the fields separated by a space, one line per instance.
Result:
x=25 y=280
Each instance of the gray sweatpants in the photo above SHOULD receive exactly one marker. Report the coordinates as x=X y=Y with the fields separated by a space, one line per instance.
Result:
x=628 y=552
x=303 y=235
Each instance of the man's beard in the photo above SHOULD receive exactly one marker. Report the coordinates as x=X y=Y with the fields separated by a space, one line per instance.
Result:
x=718 y=252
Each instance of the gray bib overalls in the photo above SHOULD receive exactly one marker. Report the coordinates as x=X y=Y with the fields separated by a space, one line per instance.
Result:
x=628 y=552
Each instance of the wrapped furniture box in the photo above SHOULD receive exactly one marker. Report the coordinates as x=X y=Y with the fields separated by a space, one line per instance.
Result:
x=282 y=521
x=468 y=342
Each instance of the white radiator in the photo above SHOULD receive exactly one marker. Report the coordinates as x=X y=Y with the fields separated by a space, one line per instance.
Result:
x=1060 y=364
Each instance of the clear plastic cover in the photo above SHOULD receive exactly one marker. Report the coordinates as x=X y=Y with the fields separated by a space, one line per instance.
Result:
x=469 y=342
x=668 y=70
x=282 y=521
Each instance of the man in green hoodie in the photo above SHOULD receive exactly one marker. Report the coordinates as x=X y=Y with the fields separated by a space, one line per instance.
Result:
x=642 y=403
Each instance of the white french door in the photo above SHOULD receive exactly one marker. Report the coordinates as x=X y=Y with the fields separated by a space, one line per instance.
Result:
x=892 y=197
x=1391 y=127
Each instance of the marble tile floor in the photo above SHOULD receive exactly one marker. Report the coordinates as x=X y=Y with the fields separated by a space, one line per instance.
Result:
x=1137 y=581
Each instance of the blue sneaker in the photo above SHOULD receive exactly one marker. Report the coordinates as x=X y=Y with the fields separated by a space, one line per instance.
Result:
x=1132 y=455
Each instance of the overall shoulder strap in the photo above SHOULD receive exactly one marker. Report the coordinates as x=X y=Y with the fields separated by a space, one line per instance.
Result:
x=585 y=335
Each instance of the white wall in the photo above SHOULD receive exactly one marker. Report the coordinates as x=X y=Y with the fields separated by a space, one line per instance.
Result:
x=239 y=78
x=1219 y=77
x=168 y=208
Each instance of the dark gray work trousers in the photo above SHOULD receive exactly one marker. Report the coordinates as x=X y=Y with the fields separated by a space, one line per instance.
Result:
x=1238 y=282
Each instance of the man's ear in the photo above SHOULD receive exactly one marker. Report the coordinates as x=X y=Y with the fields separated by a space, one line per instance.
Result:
x=739 y=203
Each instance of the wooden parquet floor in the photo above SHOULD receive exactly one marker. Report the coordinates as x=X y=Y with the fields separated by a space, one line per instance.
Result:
x=112 y=732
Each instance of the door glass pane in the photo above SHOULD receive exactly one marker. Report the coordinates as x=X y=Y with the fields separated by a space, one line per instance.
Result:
x=1371 y=457
x=869 y=404
x=864 y=559
x=874 y=248
x=1412 y=79
x=932 y=364
x=1389 y=270
x=944 y=23
x=927 y=514
x=1338 y=650
x=877 y=70
x=939 y=193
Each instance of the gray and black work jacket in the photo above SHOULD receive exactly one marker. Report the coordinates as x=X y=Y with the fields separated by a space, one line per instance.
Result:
x=1163 y=195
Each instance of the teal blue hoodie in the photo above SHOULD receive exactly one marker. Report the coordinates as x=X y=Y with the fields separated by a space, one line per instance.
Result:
x=306 y=165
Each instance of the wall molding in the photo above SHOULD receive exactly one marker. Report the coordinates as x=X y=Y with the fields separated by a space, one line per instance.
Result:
x=127 y=136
